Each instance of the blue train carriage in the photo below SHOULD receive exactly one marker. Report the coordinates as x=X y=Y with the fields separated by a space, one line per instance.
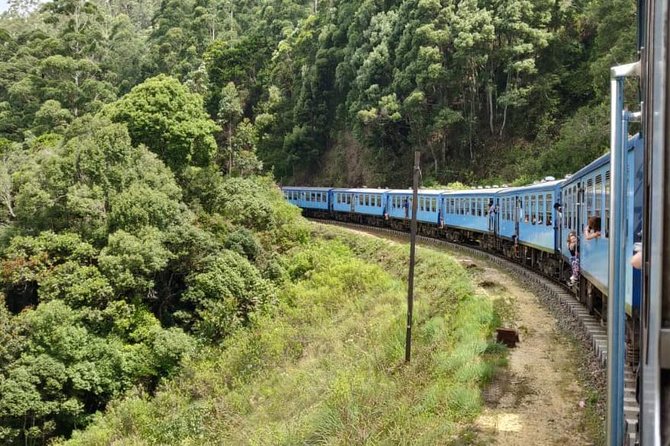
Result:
x=429 y=210
x=363 y=205
x=311 y=198
x=466 y=214
x=527 y=223
x=586 y=197
x=586 y=200
x=429 y=206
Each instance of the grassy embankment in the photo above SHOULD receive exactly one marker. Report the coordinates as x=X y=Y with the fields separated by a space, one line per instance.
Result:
x=325 y=366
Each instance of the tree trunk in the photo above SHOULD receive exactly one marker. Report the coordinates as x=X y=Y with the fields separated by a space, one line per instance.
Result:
x=490 y=101
x=502 y=127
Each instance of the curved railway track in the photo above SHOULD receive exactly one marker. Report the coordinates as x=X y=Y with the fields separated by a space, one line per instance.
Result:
x=554 y=295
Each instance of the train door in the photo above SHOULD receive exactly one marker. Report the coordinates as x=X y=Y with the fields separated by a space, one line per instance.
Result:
x=581 y=209
x=354 y=198
x=331 y=200
x=496 y=217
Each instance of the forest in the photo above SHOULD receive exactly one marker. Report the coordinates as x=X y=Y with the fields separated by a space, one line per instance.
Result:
x=140 y=143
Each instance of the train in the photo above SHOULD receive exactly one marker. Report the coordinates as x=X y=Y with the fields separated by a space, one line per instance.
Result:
x=618 y=206
x=528 y=224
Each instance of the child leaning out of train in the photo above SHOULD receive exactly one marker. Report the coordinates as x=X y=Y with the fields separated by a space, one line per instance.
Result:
x=592 y=229
x=573 y=247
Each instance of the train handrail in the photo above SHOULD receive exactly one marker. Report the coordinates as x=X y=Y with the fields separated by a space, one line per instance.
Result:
x=616 y=352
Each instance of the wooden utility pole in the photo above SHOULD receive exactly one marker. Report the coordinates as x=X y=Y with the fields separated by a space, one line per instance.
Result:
x=412 y=254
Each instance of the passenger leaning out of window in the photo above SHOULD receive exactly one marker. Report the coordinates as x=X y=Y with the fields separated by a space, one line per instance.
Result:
x=592 y=229
x=573 y=247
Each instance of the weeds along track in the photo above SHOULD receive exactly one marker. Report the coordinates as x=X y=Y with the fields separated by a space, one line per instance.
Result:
x=572 y=316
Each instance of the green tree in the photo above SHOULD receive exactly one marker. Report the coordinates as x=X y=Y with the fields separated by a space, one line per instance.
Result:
x=170 y=120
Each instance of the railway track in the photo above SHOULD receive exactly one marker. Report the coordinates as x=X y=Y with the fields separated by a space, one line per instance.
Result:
x=555 y=296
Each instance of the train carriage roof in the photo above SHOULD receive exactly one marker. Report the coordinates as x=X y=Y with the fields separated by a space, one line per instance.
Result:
x=594 y=165
x=361 y=190
x=306 y=188
x=420 y=192
x=545 y=185
x=489 y=191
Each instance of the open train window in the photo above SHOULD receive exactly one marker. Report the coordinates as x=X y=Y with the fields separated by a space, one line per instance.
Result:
x=598 y=196
x=540 y=209
x=549 y=205
x=533 y=209
x=589 y=197
x=607 y=203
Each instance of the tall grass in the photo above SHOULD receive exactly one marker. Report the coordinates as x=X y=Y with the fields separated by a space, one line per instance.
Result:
x=326 y=365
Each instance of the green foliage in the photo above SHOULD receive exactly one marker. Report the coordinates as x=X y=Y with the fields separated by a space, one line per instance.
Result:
x=130 y=261
x=165 y=116
x=225 y=294
x=67 y=370
x=327 y=366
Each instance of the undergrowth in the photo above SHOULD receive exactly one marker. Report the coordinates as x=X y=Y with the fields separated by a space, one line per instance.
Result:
x=326 y=365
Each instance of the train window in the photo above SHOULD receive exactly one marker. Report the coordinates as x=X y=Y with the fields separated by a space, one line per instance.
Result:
x=526 y=209
x=433 y=205
x=598 y=196
x=480 y=205
x=607 y=204
x=379 y=201
x=360 y=200
x=549 y=205
x=453 y=205
x=473 y=206
x=533 y=209
x=540 y=209
x=589 y=197
x=566 y=210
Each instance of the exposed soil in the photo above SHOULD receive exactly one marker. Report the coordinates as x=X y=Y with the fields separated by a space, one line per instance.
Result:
x=538 y=399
